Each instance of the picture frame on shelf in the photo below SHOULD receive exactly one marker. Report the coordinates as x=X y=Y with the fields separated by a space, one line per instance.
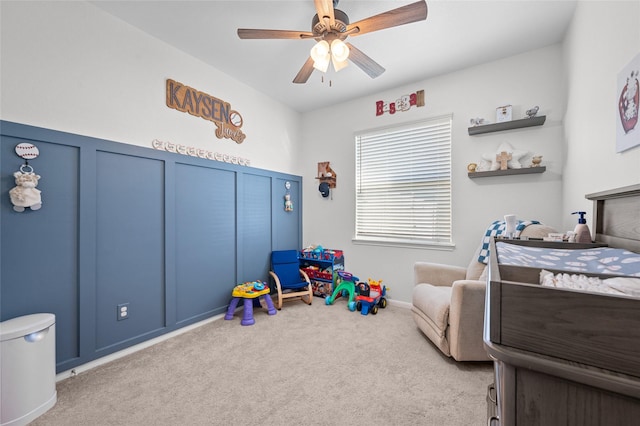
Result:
x=504 y=113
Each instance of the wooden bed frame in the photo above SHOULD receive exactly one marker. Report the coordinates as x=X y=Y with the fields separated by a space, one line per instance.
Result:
x=616 y=216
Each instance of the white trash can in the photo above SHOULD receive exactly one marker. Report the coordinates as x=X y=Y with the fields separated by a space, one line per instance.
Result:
x=28 y=368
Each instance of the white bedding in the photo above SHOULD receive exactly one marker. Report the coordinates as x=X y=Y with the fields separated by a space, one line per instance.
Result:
x=618 y=285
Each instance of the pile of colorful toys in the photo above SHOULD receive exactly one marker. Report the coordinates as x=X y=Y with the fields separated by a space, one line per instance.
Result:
x=365 y=297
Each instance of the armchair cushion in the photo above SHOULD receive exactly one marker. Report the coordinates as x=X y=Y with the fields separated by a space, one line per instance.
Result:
x=475 y=269
x=437 y=274
x=434 y=302
x=431 y=313
x=466 y=320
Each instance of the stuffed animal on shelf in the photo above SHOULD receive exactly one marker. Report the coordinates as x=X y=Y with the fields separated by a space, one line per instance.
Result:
x=536 y=160
x=533 y=111
x=25 y=194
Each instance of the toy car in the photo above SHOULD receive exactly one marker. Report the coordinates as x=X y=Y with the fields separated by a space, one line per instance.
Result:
x=370 y=297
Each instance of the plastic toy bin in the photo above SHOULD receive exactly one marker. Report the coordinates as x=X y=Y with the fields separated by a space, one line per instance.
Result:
x=325 y=254
x=28 y=368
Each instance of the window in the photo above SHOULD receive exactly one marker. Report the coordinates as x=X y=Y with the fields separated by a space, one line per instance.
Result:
x=403 y=184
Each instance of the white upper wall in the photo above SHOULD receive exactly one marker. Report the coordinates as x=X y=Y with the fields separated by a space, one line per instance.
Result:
x=526 y=80
x=72 y=67
x=604 y=37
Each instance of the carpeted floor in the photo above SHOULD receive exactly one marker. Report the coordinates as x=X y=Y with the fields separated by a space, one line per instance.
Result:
x=307 y=365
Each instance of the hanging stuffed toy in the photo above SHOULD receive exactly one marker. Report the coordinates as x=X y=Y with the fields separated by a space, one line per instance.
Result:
x=25 y=194
x=288 y=204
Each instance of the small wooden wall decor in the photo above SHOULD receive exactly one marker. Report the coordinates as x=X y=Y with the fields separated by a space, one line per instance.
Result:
x=326 y=174
x=503 y=159
x=187 y=99
x=404 y=103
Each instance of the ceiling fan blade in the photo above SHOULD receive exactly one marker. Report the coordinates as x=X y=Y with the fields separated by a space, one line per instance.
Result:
x=246 y=33
x=365 y=63
x=324 y=8
x=305 y=72
x=403 y=15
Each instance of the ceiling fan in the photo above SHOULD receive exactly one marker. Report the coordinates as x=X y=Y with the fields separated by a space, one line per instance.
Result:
x=330 y=27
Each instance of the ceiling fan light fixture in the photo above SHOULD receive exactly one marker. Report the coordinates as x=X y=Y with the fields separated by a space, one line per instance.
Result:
x=320 y=51
x=339 y=50
x=322 y=64
x=338 y=65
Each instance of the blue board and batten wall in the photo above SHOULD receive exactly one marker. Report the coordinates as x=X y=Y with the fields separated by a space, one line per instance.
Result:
x=169 y=234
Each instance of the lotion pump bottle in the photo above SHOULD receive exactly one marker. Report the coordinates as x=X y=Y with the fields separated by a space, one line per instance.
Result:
x=583 y=234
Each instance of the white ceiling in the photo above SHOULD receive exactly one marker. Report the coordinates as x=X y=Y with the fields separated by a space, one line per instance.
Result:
x=456 y=34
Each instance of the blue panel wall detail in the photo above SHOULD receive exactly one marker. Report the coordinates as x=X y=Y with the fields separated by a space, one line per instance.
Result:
x=40 y=248
x=287 y=224
x=130 y=246
x=255 y=218
x=167 y=233
x=205 y=249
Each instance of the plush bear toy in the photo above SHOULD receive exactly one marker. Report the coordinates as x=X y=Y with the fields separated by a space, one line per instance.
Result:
x=25 y=194
x=288 y=204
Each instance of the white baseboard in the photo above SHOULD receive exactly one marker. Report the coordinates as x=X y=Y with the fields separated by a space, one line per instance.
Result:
x=399 y=303
x=135 y=348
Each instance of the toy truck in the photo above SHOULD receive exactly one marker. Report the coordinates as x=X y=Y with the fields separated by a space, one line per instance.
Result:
x=371 y=296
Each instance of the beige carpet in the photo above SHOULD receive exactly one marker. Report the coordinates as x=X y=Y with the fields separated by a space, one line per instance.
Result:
x=307 y=365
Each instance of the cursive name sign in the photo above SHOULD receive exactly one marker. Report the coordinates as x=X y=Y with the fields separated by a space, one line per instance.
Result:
x=187 y=99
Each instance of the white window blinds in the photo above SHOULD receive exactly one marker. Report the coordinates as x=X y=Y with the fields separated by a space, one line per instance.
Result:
x=403 y=183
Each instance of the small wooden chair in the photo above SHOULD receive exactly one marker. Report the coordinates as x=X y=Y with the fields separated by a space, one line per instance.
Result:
x=290 y=280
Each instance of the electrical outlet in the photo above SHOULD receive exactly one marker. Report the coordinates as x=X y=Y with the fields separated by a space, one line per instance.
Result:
x=123 y=311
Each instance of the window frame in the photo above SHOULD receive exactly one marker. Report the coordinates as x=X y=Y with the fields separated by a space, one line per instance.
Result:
x=430 y=126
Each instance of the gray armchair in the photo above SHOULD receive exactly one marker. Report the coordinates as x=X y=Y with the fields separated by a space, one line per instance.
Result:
x=448 y=303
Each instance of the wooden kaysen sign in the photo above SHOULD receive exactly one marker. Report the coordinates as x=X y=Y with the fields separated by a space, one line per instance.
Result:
x=187 y=99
